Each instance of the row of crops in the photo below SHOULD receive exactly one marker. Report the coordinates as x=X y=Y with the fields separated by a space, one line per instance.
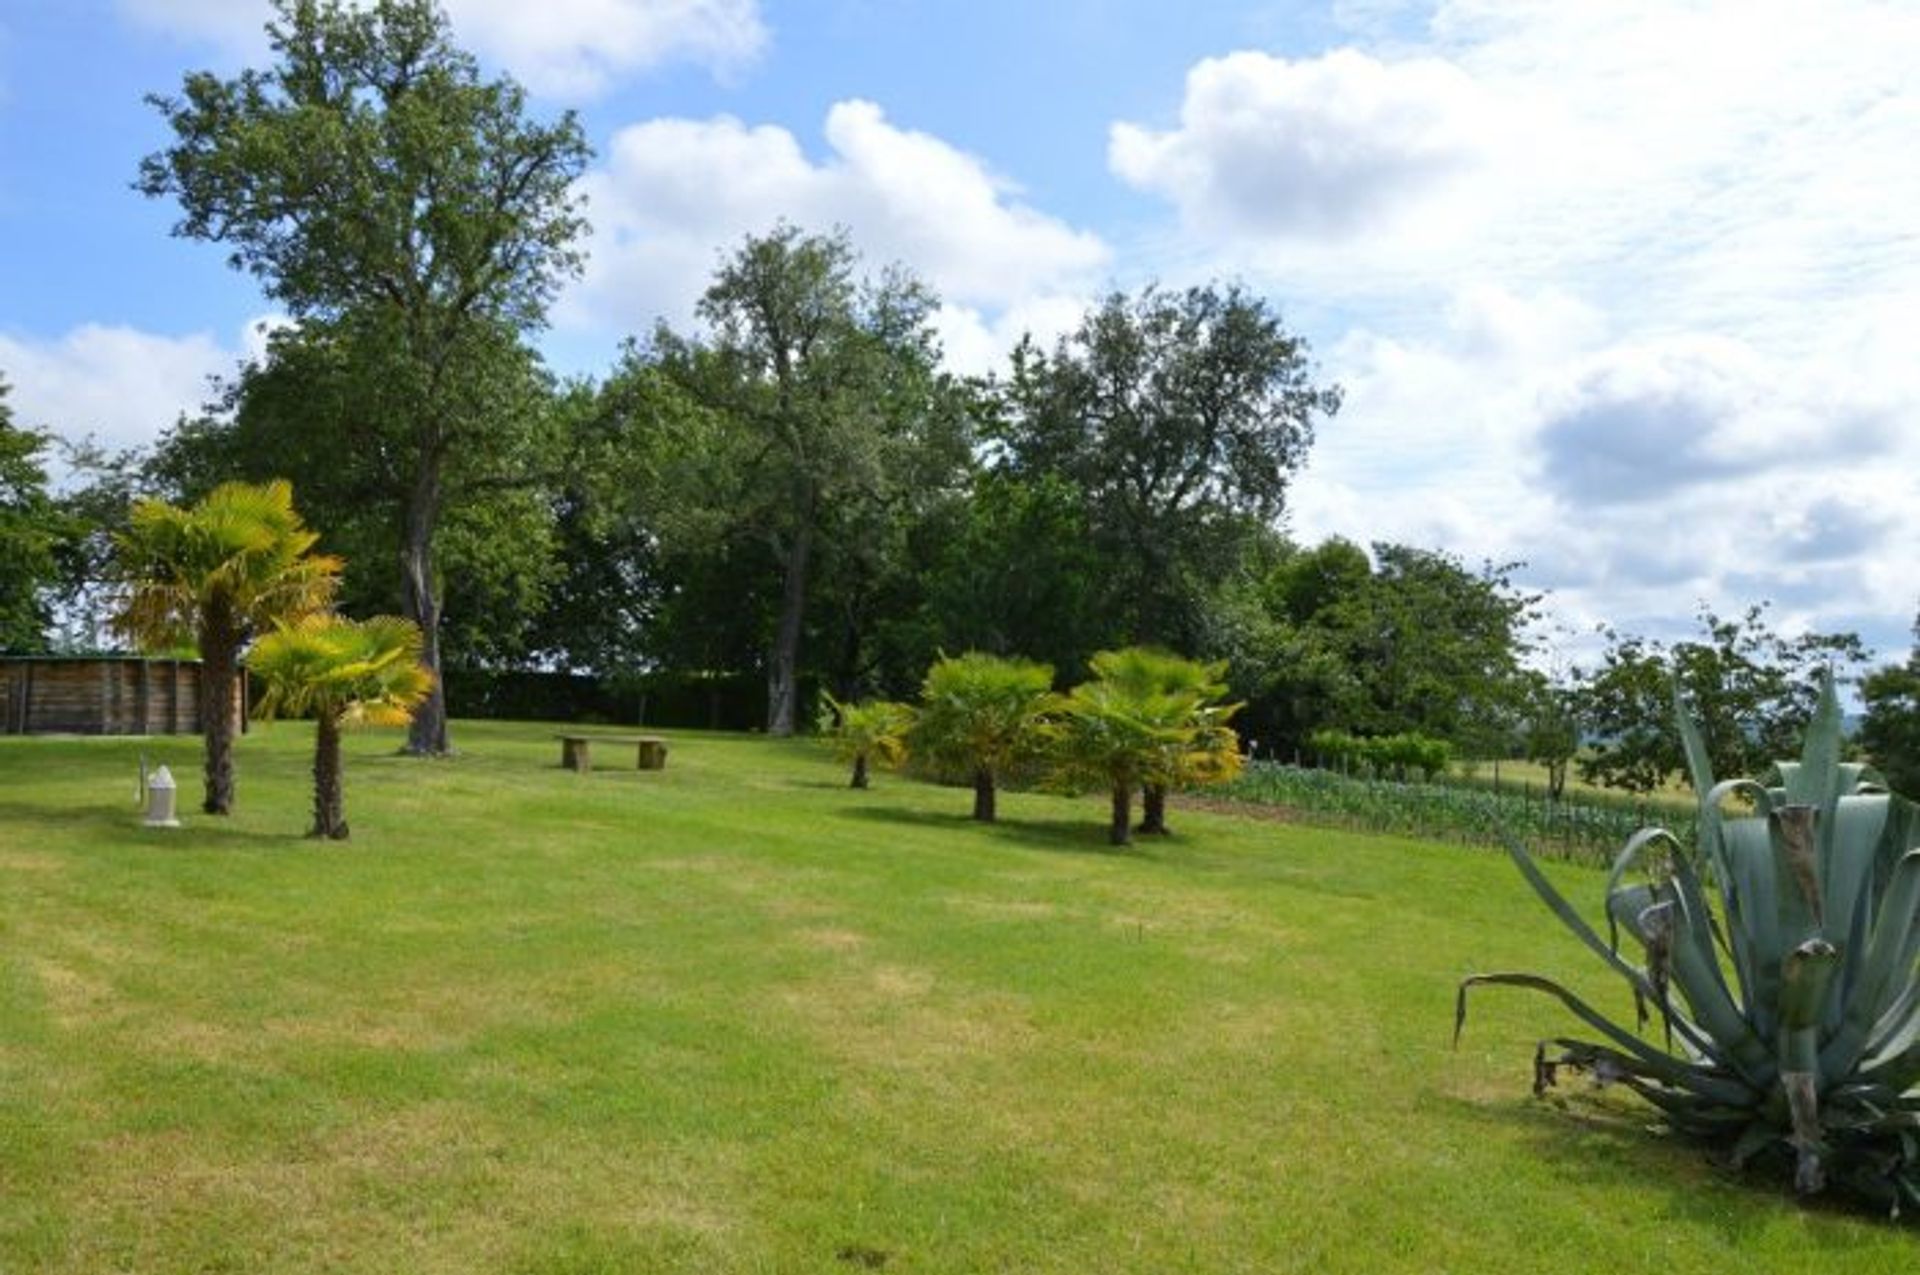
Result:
x=1570 y=828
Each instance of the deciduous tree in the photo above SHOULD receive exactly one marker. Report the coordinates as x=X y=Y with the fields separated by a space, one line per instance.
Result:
x=370 y=175
x=31 y=530
x=1182 y=417
x=828 y=405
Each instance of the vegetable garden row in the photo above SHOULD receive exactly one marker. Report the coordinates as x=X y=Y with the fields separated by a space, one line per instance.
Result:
x=1568 y=828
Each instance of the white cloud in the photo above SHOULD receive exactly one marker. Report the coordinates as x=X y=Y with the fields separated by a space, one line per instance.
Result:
x=573 y=48
x=1646 y=323
x=675 y=195
x=1637 y=478
x=120 y=384
x=1333 y=145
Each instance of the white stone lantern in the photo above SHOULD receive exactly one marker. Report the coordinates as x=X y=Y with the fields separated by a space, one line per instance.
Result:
x=161 y=792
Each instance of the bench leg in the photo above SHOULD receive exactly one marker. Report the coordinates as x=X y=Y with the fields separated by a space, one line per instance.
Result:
x=653 y=756
x=574 y=755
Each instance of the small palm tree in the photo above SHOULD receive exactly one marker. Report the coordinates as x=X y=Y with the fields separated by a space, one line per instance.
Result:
x=214 y=575
x=980 y=715
x=872 y=731
x=1124 y=738
x=1208 y=752
x=344 y=673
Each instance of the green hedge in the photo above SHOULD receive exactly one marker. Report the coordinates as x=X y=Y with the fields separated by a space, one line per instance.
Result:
x=688 y=701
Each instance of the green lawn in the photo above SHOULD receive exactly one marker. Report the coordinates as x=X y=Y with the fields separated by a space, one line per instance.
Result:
x=734 y=1017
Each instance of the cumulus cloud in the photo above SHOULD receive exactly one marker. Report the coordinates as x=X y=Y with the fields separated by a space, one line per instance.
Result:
x=120 y=384
x=1639 y=313
x=1326 y=146
x=675 y=195
x=562 y=47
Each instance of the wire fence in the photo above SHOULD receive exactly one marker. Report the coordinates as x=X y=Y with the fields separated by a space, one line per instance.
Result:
x=1573 y=828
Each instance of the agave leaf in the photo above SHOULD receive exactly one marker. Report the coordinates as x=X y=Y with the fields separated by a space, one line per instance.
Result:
x=1750 y=854
x=1647 y=1060
x=1815 y=781
x=1573 y=920
x=1876 y=989
x=1699 y=765
x=1796 y=835
x=1623 y=863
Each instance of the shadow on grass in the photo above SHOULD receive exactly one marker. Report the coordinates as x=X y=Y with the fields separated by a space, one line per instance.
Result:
x=1584 y=1138
x=1057 y=836
x=120 y=826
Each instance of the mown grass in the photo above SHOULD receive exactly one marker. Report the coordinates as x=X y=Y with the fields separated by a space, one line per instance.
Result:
x=734 y=1017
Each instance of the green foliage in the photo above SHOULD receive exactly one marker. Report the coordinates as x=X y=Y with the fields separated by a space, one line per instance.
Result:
x=871 y=732
x=340 y=672
x=354 y=672
x=217 y=574
x=1018 y=571
x=417 y=222
x=1550 y=727
x=981 y=716
x=1748 y=686
x=1401 y=755
x=1890 y=732
x=1587 y=829
x=1779 y=952
x=1182 y=417
x=828 y=423
x=1148 y=720
x=32 y=529
x=1420 y=643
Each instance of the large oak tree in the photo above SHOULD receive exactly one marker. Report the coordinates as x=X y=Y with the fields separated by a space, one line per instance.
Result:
x=370 y=175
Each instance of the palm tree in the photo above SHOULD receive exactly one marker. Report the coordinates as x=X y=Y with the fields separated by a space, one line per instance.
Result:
x=1146 y=670
x=981 y=714
x=1148 y=721
x=214 y=575
x=873 y=731
x=343 y=672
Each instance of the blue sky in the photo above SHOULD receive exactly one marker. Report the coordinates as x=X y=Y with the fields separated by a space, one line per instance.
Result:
x=1625 y=290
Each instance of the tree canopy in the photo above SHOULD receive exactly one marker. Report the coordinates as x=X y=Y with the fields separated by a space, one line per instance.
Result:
x=32 y=529
x=1181 y=417
x=406 y=207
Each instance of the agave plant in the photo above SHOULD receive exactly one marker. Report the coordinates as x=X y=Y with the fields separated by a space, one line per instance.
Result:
x=1779 y=953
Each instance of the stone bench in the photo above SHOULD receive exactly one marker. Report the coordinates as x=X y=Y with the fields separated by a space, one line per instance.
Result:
x=576 y=751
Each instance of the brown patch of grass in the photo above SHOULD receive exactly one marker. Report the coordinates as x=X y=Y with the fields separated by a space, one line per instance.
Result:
x=832 y=940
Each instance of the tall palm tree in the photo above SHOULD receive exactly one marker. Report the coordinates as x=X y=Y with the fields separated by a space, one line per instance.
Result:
x=214 y=575
x=981 y=714
x=344 y=673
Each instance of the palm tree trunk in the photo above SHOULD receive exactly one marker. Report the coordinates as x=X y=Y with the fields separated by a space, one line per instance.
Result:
x=217 y=667
x=1120 y=831
x=329 y=806
x=859 y=770
x=984 y=796
x=1153 y=810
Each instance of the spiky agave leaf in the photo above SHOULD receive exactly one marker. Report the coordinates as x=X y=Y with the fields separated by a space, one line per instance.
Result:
x=1813 y=898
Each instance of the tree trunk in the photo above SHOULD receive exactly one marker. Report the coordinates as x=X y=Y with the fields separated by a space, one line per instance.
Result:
x=1153 y=810
x=329 y=805
x=420 y=602
x=783 y=667
x=859 y=770
x=984 y=795
x=217 y=647
x=1120 y=831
